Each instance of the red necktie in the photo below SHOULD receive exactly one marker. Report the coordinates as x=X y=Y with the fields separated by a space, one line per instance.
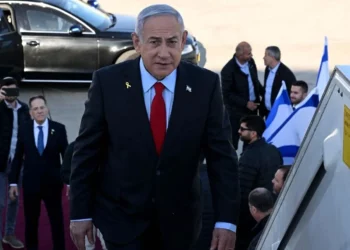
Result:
x=158 y=117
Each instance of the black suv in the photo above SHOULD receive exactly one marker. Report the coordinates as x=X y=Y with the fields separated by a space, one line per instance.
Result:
x=11 y=54
x=63 y=40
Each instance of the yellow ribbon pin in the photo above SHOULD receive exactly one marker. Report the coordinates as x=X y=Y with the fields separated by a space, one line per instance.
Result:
x=127 y=84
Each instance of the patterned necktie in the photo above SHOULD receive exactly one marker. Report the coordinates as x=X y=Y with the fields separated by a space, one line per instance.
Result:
x=40 y=140
x=158 y=117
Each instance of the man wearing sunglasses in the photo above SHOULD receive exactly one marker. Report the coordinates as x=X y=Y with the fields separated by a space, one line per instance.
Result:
x=13 y=114
x=257 y=166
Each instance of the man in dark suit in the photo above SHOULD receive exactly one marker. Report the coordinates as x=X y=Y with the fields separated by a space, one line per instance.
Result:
x=13 y=113
x=145 y=125
x=240 y=87
x=275 y=73
x=41 y=145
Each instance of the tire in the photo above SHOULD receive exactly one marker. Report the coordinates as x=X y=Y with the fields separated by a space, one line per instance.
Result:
x=128 y=55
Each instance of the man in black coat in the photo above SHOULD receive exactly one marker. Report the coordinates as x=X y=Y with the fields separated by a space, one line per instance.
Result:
x=13 y=114
x=257 y=167
x=41 y=145
x=241 y=88
x=261 y=202
x=136 y=159
x=275 y=73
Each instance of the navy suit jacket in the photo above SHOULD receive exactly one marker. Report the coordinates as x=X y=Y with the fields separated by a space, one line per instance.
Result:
x=39 y=171
x=119 y=180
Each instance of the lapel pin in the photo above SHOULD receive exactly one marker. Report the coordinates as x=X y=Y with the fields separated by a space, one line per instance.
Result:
x=52 y=131
x=128 y=85
x=188 y=88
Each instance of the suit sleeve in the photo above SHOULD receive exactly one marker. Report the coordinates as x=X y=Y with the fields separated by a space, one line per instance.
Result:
x=228 y=86
x=290 y=79
x=247 y=177
x=262 y=107
x=27 y=114
x=66 y=165
x=17 y=161
x=260 y=86
x=222 y=161
x=87 y=151
x=64 y=142
x=264 y=86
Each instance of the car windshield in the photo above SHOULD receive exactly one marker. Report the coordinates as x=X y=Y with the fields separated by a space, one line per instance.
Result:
x=85 y=12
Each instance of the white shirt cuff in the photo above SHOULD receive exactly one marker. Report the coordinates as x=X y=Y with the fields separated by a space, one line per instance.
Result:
x=225 y=225
x=13 y=185
x=83 y=219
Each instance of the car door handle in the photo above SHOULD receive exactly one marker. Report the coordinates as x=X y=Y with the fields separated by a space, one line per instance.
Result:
x=33 y=43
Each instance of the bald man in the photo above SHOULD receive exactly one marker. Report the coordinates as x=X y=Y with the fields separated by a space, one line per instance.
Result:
x=261 y=204
x=241 y=87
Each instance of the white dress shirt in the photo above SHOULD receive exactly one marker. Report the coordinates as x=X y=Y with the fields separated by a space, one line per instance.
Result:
x=245 y=69
x=149 y=92
x=45 y=128
x=168 y=94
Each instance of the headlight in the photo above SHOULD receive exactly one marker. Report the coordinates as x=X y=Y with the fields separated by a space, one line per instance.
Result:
x=187 y=49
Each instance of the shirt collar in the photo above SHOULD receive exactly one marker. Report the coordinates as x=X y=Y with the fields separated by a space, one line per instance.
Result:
x=9 y=105
x=275 y=68
x=241 y=65
x=148 y=80
x=45 y=124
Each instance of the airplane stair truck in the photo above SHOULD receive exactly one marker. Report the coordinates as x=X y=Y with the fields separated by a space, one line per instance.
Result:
x=313 y=210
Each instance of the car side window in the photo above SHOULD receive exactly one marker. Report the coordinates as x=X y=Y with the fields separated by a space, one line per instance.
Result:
x=4 y=27
x=46 y=20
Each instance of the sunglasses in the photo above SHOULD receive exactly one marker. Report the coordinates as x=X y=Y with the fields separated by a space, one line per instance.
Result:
x=243 y=129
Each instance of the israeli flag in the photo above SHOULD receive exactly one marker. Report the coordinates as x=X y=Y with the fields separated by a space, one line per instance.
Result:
x=289 y=136
x=280 y=111
x=323 y=72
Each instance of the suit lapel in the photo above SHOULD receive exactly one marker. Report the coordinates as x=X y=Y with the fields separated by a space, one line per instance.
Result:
x=267 y=71
x=136 y=96
x=49 y=135
x=182 y=98
x=31 y=131
x=277 y=80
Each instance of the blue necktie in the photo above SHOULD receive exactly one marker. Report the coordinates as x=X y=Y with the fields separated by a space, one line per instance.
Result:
x=41 y=140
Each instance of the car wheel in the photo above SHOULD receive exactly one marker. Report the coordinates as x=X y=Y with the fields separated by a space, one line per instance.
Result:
x=128 y=55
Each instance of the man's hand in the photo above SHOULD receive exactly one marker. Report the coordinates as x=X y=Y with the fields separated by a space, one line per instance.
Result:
x=67 y=192
x=223 y=239
x=2 y=95
x=13 y=193
x=252 y=105
x=78 y=231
